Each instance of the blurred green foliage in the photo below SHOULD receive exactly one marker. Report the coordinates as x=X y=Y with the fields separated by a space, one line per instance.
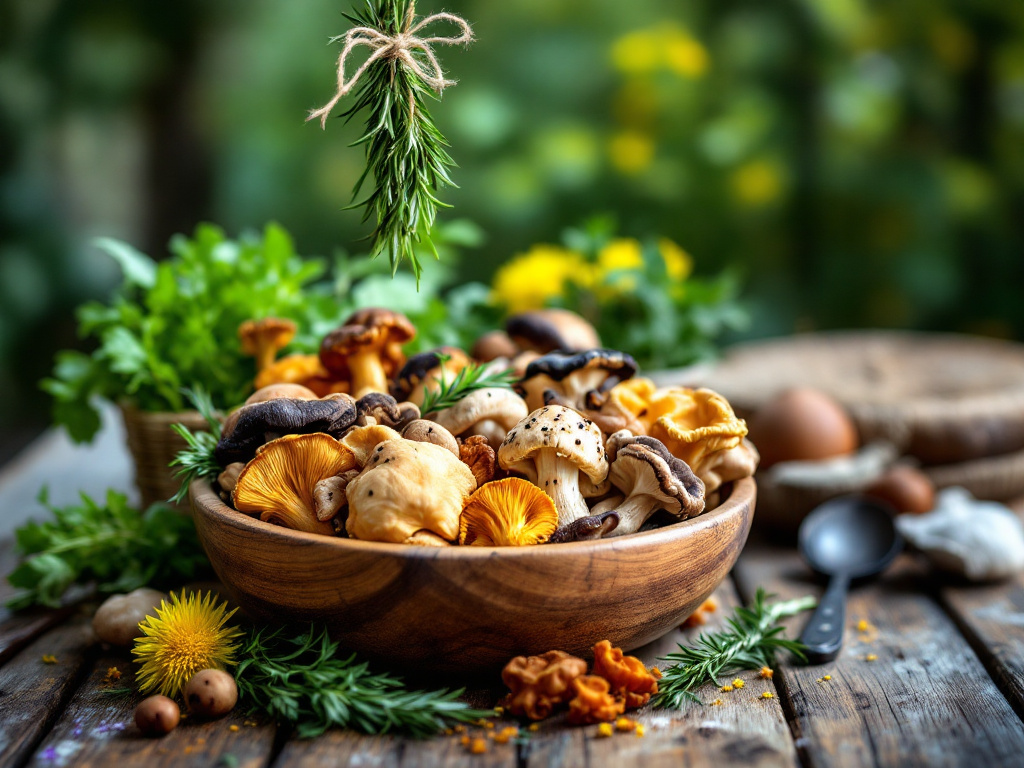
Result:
x=856 y=163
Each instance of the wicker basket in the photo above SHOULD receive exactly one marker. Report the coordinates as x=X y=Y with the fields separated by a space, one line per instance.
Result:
x=153 y=445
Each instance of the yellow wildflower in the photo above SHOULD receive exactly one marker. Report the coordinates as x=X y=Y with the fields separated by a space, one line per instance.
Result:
x=871 y=657
x=636 y=52
x=683 y=54
x=716 y=703
x=529 y=280
x=679 y=265
x=726 y=688
x=625 y=724
x=827 y=677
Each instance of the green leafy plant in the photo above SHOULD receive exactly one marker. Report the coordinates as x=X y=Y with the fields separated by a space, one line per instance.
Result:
x=174 y=324
x=304 y=680
x=750 y=642
x=473 y=377
x=197 y=460
x=112 y=543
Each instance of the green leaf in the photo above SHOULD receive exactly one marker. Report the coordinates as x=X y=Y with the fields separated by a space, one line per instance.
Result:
x=137 y=268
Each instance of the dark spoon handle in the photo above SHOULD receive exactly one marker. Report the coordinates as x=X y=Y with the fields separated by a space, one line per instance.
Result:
x=823 y=634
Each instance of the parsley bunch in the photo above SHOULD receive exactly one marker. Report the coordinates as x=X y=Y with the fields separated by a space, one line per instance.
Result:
x=305 y=681
x=113 y=544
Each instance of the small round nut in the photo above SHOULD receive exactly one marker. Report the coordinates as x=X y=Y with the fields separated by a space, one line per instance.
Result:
x=157 y=716
x=117 y=621
x=211 y=693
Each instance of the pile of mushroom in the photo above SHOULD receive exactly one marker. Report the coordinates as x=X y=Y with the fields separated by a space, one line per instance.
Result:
x=579 y=448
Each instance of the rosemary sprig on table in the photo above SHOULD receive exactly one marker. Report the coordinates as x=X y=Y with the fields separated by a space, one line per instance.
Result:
x=197 y=460
x=305 y=681
x=753 y=637
x=473 y=377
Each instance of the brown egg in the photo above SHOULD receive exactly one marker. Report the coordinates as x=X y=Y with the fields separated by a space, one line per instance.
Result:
x=906 y=488
x=802 y=425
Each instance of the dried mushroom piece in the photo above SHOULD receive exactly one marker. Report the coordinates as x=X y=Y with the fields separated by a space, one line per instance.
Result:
x=490 y=412
x=367 y=349
x=700 y=423
x=651 y=479
x=538 y=684
x=423 y=431
x=507 y=513
x=627 y=675
x=593 y=701
x=595 y=526
x=279 y=481
x=406 y=487
x=362 y=441
x=263 y=338
x=476 y=453
x=253 y=425
x=551 y=330
x=569 y=379
x=551 y=447
x=378 y=408
x=730 y=465
x=422 y=372
x=228 y=479
x=329 y=495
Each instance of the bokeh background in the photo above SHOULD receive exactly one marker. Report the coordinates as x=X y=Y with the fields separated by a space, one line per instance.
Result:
x=857 y=163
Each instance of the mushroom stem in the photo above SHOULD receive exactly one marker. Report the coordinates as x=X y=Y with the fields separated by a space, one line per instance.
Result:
x=560 y=479
x=633 y=513
x=265 y=354
x=367 y=373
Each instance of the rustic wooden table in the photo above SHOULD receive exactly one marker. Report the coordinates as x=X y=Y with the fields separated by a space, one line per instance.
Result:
x=939 y=681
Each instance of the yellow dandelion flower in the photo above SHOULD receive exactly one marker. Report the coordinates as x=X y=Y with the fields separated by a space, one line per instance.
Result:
x=530 y=279
x=186 y=636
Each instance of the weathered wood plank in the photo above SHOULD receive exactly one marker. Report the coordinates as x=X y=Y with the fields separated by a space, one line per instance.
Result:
x=33 y=693
x=97 y=729
x=17 y=630
x=925 y=699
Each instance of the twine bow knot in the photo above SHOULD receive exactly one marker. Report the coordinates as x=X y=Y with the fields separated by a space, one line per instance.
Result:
x=400 y=47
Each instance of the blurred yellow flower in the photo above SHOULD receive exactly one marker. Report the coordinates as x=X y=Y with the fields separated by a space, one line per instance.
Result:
x=636 y=52
x=624 y=254
x=631 y=152
x=678 y=263
x=664 y=46
x=530 y=279
x=683 y=54
x=757 y=183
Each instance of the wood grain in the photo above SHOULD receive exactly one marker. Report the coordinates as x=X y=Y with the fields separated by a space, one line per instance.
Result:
x=925 y=700
x=17 y=630
x=472 y=608
x=33 y=693
x=97 y=730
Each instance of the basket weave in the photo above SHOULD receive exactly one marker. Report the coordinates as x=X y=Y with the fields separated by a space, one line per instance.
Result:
x=153 y=445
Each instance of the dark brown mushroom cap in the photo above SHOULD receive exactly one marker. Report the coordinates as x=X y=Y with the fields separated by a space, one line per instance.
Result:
x=681 y=490
x=557 y=366
x=586 y=528
x=378 y=408
x=418 y=367
x=492 y=345
x=551 y=330
x=283 y=416
x=371 y=328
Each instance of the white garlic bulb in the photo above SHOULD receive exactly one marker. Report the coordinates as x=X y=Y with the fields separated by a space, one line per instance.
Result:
x=981 y=540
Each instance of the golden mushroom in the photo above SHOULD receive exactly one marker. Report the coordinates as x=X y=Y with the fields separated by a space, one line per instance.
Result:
x=278 y=483
x=367 y=349
x=507 y=513
x=263 y=338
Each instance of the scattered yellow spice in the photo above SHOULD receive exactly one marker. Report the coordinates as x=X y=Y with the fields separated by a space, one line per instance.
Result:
x=625 y=724
x=827 y=677
x=737 y=683
x=640 y=730
x=233 y=728
x=459 y=729
x=533 y=727
x=49 y=658
x=464 y=741
x=767 y=695
x=113 y=675
x=604 y=730
x=478 y=747
x=871 y=657
x=506 y=734
x=726 y=688
x=766 y=673
x=716 y=703
x=499 y=710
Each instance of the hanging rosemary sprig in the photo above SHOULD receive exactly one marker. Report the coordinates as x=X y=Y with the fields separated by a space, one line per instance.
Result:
x=471 y=378
x=753 y=637
x=197 y=459
x=406 y=154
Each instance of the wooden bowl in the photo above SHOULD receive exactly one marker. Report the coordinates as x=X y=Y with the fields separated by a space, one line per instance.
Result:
x=460 y=609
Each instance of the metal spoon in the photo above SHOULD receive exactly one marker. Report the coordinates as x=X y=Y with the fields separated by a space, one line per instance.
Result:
x=851 y=537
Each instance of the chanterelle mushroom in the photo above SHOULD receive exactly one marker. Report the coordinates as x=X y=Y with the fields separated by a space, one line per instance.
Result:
x=507 y=513
x=279 y=481
x=571 y=378
x=652 y=479
x=551 y=446
x=407 y=487
x=698 y=424
x=263 y=338
x=490 y=412
x=367 y=349
x=552 y=330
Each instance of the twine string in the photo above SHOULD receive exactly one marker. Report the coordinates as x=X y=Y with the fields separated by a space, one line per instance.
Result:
x=397 y=48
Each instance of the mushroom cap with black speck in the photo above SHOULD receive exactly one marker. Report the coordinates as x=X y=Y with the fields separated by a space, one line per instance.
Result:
x=562 y=429
x=674 y=482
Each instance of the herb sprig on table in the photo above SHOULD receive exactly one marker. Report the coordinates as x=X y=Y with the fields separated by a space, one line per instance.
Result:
x=113 y=544
x=197 y=460
x=750 y=642
x=473 y=377
x=304 y=680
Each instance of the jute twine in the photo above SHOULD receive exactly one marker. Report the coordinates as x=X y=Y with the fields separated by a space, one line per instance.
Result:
x=401 y=48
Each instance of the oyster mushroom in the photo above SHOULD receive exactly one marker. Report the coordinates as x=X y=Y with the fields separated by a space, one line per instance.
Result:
x=551 y=446
x=729 y=465
x=490 y=412
x=507 y=513
x=572 y=378
x=424 y=431
x=551 y=330
x=367 y=349
x=253 y=425
x=651 y=479
x=422 y=373
x=407 y=487
x=279 y=481
x=363 y=440
x=263 y=338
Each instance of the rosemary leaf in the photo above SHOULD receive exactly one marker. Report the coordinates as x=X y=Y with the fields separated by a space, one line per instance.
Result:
x=473 y=377
x=750 y=642
x=197 y=459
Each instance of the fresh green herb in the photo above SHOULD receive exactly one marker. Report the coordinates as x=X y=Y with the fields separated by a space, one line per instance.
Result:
x=406 y=154
x=305 y=681
x=115 y=693
x=175 y=324
x=753 y=637
x=113 y=544
x=473 y=377
x=197 y=460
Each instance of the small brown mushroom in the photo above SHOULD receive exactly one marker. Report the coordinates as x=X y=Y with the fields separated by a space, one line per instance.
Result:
x=571 y=378
x=263 y=338
x=493 y=345
x=229 y=477
x=362 y=441
x=367 y=349
x=424 y=431
x=117 y=621
x=552 y=330
x=157 y=716
x=211 y=693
